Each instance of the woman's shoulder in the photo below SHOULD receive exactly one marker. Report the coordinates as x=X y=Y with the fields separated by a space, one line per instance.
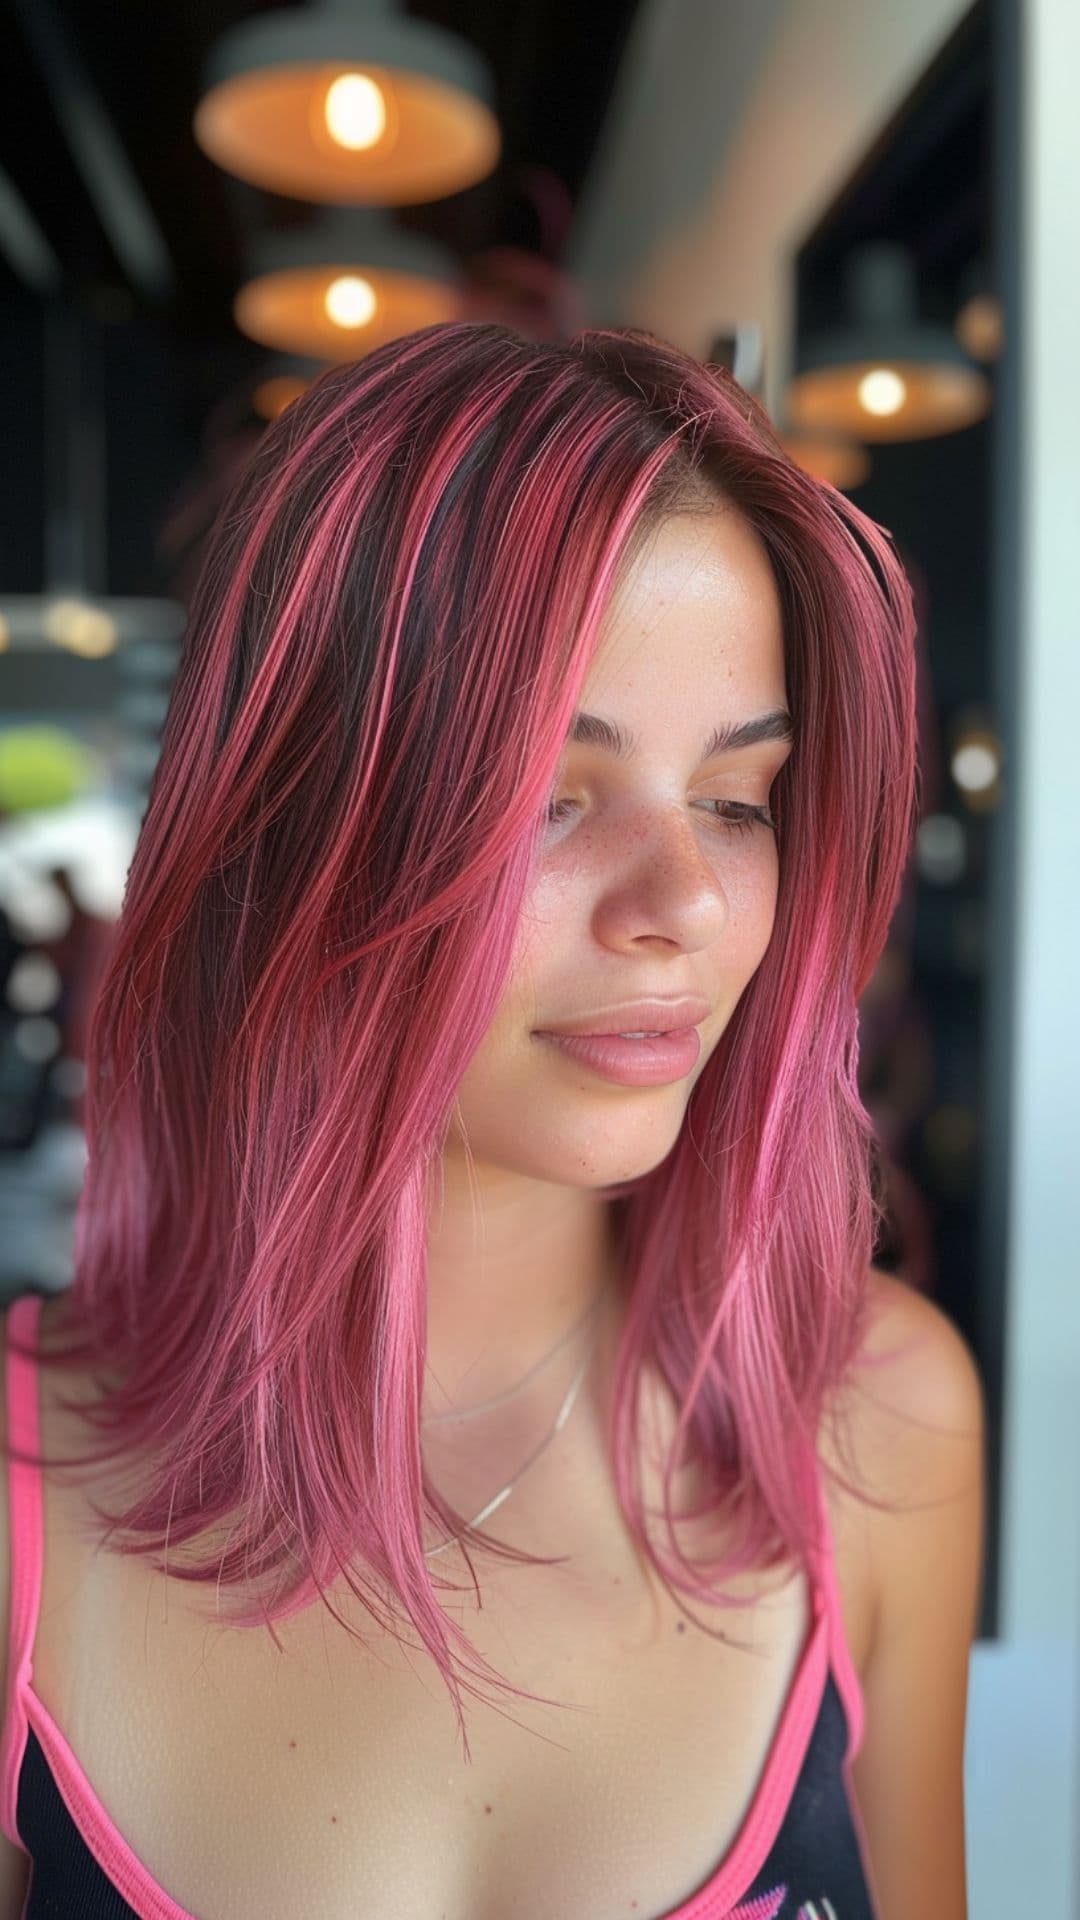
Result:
x=919 y=1424
x=913 y=1397
x=900 y=1423
x=915 y=1370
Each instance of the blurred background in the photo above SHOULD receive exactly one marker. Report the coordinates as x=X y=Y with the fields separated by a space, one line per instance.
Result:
x=868 y=212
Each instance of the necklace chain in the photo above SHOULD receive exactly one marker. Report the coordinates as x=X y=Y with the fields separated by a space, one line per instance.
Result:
x=561 y=1418
x=466 y=1413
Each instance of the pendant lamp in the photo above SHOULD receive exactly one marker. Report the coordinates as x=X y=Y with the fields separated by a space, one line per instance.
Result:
x=828 y=456
x=348 y=101
x=336 y=288
x=283 y=380
x=980 y=319
x=885 y=374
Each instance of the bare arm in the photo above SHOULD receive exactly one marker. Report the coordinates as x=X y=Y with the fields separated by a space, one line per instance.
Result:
x=923 y=1423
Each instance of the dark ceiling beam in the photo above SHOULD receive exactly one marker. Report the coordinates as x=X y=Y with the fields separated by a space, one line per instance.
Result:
x=23 y=243
x=110 y=181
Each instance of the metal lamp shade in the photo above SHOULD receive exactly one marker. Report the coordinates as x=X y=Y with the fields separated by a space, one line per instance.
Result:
x=409 y=281
x=941 y=389
x=263 y=115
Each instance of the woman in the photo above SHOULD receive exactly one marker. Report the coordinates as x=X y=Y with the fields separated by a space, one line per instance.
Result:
x=416 y=1340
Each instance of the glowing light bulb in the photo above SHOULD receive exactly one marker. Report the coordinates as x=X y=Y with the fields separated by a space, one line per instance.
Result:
x=80 y=627
x=350 y=301
x=355 y=111
x=882 y=391
x=976 y=765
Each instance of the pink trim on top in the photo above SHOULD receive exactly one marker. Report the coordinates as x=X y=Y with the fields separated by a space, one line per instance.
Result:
x=23 y=1708
x=754 y=1840
x=844 y=1669
x=122 y=1866
x=850 y=1689
x=24 y=1534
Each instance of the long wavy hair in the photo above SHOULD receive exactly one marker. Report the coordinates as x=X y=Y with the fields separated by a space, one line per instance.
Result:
x=394 y=618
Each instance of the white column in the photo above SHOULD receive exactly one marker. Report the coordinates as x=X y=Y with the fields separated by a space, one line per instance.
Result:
x=1023 y=1755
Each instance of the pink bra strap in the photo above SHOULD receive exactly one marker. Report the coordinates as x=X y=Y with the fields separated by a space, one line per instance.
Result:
x=843 y=1665
x=24 y=1539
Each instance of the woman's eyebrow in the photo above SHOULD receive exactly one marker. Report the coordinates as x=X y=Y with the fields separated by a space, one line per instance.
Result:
x=591 y=730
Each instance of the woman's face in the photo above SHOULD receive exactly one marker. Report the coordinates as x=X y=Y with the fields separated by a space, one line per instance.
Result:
x=657 y=876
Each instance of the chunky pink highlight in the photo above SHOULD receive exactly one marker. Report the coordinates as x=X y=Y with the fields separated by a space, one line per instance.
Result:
x=390 y=632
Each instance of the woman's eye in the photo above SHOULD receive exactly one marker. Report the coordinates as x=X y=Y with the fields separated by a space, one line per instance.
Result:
x=739 y=817
x=744 y=818
x=558 y=810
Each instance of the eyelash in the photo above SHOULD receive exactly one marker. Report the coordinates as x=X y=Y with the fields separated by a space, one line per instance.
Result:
x=749 y=817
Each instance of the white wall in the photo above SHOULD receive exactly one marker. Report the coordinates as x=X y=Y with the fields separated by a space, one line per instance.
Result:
x=731 y=130
x=1023 y=1748
x=1039 y=1666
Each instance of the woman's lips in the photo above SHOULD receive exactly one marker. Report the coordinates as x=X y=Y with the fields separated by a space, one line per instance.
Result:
x=651 y=1062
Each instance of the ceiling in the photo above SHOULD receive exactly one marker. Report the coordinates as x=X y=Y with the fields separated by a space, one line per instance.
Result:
x=165 y=278
x=122 y=247
x=553 y=62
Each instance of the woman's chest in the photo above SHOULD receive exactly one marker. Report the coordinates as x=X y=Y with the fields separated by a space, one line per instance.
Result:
x=328 y=1780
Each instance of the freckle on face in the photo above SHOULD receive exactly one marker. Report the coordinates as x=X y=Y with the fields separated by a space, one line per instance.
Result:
x=699 y=616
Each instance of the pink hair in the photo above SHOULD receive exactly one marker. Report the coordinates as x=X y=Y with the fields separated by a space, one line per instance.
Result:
x=391 y=628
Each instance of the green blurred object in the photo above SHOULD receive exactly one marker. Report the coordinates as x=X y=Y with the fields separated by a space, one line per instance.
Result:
x=42 y=767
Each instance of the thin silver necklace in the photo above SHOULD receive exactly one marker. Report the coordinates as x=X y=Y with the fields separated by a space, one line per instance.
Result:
x=561 y=1418
x=466 y=1413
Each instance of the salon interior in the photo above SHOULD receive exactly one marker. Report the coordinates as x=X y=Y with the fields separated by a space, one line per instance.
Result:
x=868 y=214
